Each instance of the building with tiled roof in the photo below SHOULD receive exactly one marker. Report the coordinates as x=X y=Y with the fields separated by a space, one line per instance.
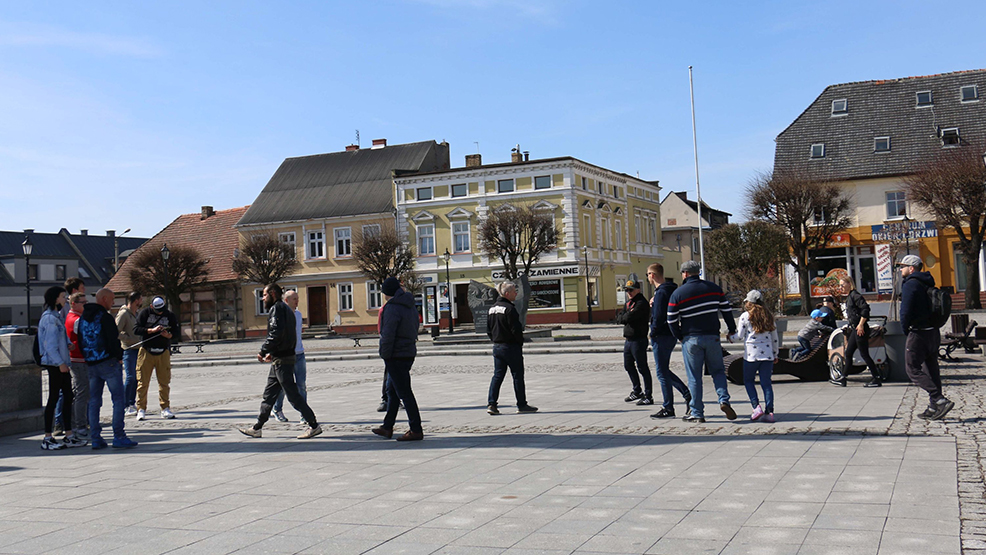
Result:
x=868 y=136
x=215 y=309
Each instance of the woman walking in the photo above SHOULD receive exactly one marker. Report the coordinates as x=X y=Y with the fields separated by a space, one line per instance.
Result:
x=758 y=334
x=53 y=343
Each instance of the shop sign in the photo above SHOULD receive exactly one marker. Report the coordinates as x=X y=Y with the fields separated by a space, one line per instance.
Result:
x=828 y=284
x=903 y=231
x=574 y=270
x=884 y=268
x=838 y=240
x=545 y=293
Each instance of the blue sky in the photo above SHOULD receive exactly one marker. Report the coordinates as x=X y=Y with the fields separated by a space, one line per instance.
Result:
x=117 y=115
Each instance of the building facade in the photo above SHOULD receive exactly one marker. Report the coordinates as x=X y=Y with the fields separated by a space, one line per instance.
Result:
x=680 y=226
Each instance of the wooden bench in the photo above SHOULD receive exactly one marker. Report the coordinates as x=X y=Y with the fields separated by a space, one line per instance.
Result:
x=952 y=341
x=176 y=347
x=356 y=338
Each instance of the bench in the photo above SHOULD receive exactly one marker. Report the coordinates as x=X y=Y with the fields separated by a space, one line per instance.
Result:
x=952 y=341
x=356 y=338
x=176 y=347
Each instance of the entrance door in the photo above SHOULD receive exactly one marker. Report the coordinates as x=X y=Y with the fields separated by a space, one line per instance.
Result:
x=463 y=314
x=867 y=274
x=318 y=311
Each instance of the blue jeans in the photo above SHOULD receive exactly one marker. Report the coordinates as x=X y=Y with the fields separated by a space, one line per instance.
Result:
x=130 y=377
x=701 y=351
x=766 y=369
x=300 y=377
x=663 y=345
x=635 y=362
x=399 y=389
x=508 y=355
x=803 y=349
x=107 y=372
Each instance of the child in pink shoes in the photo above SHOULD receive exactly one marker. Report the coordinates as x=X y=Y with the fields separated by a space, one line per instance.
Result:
x=757 y=332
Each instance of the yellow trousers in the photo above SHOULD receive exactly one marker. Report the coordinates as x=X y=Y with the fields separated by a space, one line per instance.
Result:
x=147 y=363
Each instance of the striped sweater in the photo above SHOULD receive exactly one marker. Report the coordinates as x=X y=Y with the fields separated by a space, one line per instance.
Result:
x=695 y=307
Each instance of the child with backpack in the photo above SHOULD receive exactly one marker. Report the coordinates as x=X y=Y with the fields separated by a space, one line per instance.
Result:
x=757 y=332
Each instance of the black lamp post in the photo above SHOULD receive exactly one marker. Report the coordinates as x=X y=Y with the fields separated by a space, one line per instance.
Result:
x=28 y=248
x=907 y=233
x=448 y=284
x=588 y=293
x=165 y=254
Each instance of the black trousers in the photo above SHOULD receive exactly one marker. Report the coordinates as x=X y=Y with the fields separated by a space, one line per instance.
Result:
x=921 y=360
x=281 y=378
x=634 y=362
x=399 y=389
x=58 y=381
x=862 y=343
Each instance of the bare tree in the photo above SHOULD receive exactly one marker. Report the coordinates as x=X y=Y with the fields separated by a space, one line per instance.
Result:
x=808 y=209
x=950 y=186
x=518 y=236
x=186 y=269
x=751 y=254
x=263 y=258
x=382 y=254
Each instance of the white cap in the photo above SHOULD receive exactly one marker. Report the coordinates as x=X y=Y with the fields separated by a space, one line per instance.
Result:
x=157 y=303
x=754 y=297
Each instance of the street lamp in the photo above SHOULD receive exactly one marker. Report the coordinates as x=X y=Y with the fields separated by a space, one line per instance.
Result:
x=28 y=248
x=165 y=254
x=116 y=250
x=448 y=284
x=907 y=233
x=588 y=293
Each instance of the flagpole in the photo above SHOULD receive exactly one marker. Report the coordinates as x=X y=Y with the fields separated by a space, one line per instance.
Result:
x=698 y=188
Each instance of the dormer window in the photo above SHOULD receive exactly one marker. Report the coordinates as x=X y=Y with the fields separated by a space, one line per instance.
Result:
x=968 y=93
x=818 y=150
x=950 y=136
x=840 y=107
x=881 y=144
x=924 y=98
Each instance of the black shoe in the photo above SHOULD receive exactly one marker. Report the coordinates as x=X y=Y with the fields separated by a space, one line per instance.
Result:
x=875 y=382
x=694 y=419
x=663 y=413
x=633 y=396
x=840 y=383
x=928 y=413
x=382 y=407
x=646 y=401
x=728 y=411
x=492 y=410
x=943 y=406
x=527 y=408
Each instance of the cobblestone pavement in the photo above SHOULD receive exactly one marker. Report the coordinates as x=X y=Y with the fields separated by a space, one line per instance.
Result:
x=843 y=470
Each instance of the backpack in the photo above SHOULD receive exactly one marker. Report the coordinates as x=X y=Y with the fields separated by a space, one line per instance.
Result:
x=941 y=306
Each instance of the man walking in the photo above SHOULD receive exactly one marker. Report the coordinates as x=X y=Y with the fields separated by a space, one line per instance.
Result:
x=693 y=316
x=663 y=341
x=398 y=335
x=278 y=349
x=634 y=319
x=126 y=321
x=100 y=344
x=78 y=368
x=300 y=367
x=923 y=338
x=504 y=329
x=156 y=325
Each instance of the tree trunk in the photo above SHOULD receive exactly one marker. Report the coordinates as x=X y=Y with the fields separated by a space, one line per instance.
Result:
x=805 y=279
x=972 y=282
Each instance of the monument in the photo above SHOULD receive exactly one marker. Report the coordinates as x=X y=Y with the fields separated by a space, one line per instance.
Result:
x=482 y=297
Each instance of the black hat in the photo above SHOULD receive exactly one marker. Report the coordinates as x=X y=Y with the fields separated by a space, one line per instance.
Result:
x=390 y=286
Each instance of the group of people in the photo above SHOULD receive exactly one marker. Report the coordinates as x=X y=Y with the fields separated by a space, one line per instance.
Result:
x=84 y=348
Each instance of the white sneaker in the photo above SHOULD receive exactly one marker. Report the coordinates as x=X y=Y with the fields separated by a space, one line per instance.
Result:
x=141 y=415
x=130 y=411
x=166 y=413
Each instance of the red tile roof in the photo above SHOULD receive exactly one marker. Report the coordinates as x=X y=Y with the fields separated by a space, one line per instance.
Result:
x=214 y=237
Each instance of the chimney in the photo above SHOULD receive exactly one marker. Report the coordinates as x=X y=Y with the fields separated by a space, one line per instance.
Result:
x=28 y=231
x=207 y=211
x=379 y=143
x=527 y=156
x=352 y=148
x=111 y=233
x=515 y=155
x=83 y=232
x=474 y=160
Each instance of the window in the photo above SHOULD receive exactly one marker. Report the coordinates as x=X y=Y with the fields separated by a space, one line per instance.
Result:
x=605 y=235
x=586 y=230
x=373 y=295
x=542 y=182
x=818 y=150
x=288 y=238
x=426 y=239
x=345 y=296
x=344 y=241
x=371 y=230
x=924 y=98
x=881 y=144
x=460 y=236
x=950 y=137
x=602 y=188
x=59 y=272
x=460 y=190
x=636 y=229
x=616 y=192
x=618 y=235
x=896 y=204
x=424 y=193
x=32 y=272
x=819 y=216
x=592 y=284
x=840 y=107
x=316 y=244
x=258 y=299
x=969 y=93
x=652 y=231
x=585 y=184
x=505 y=185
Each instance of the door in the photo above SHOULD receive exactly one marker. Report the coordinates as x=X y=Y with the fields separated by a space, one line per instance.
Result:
x=318 y=310
x=866 y=266
x=462 y=313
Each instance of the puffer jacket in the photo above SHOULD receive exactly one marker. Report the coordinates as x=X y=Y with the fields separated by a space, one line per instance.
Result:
x=52 y=339
x=399 y=327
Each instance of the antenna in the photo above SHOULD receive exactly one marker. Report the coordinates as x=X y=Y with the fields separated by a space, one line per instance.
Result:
x=477 y=146
x=357 y=138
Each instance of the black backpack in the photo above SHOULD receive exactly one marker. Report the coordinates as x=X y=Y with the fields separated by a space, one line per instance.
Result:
x=941 y=306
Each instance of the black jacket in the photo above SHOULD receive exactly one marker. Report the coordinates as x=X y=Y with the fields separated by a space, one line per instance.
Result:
x=635 y=317
x=281 y=338
x=148 y=319
x=915 y=305
x=829 y=319
x=503 y=325
x=659 y=309
x=99 y=337
x=399 y=327
x=856 y=308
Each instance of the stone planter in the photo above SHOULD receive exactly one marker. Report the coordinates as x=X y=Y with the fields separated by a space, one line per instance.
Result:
x=20 y=386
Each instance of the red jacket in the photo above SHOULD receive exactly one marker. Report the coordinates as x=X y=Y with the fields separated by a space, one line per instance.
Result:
x=72 y=329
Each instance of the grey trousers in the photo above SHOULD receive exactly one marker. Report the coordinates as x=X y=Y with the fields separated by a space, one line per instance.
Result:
x=80 y=394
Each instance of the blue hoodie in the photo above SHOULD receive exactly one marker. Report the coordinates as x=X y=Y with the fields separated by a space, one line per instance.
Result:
x=915 y=305
x=659 y=309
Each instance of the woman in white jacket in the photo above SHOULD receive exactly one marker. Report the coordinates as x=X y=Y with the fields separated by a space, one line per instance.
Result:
x=757 y=332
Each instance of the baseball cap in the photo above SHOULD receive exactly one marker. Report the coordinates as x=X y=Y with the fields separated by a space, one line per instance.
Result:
x=157 y=303
x=910 y=260
x=632 y=283
x=754 y=297
x=828 y=299
x=817 y=313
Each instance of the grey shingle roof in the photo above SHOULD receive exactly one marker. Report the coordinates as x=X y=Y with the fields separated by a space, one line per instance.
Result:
x=878 y=109
x=341 y=183
x=97 y=250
